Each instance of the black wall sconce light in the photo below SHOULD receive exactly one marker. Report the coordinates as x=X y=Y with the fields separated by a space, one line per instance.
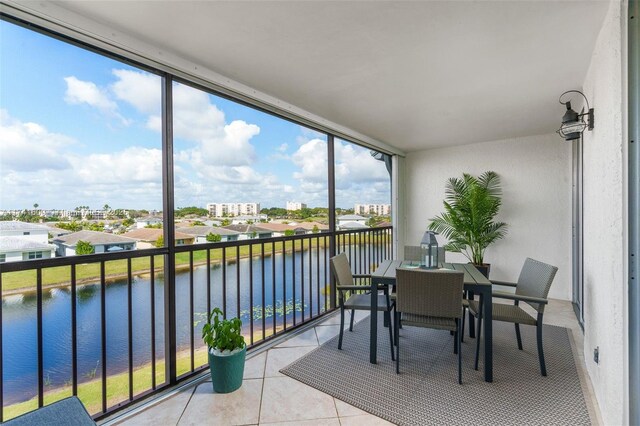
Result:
x=573 y=123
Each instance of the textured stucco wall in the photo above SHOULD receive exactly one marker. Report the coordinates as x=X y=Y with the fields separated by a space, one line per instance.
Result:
x=604 y=285
x=536 y=181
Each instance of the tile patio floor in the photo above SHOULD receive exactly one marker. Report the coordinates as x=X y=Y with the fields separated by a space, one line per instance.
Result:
x=267 y=397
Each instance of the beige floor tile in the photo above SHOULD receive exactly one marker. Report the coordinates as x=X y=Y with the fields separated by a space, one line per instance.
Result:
x=286 y=400
x=241 y=407
x=363 y=420
x=335 y=319
x=315 y=422
x=346 y=410
x=254 y=367
x=278 y=358
x=326 y=332
x=308 y=338
x=163 y=413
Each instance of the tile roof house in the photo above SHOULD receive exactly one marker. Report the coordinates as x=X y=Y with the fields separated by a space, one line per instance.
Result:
x=147 y=237
x=280 y=229
x=15 y=249
x=24 y=241
x=352 y=221
x=102 y=242
x=200 y=233
x=248 y=232
x=310 y=226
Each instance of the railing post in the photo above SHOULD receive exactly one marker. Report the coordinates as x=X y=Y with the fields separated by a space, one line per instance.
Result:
x=332 y=215
x=169 y=237
x=634 y=212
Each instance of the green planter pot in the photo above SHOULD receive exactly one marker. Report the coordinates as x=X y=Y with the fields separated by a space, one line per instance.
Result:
x=227 y=371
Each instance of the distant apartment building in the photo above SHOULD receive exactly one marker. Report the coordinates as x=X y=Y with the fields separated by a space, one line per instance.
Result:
x=294 y=205
x=233 y=209
x=79 y=214
x=376 y=209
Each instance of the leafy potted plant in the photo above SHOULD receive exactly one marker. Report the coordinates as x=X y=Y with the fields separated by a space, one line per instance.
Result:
x=471 y=204
x=227 y=351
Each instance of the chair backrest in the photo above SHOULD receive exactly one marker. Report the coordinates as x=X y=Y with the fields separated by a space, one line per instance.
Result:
x=341 y=270
x=418 y=253
x=413 y=253
x=429 y=293
x=535 y=280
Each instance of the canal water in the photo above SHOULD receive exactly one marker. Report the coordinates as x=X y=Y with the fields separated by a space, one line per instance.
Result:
x=19 y=318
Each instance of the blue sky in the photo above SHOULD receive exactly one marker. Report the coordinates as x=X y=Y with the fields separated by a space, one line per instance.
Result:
x=77 y=128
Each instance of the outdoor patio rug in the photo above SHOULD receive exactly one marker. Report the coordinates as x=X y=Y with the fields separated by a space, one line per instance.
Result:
x=426 y=392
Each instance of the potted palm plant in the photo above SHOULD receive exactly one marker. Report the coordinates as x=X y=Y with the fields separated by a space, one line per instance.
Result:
x=227 y=351
x=470 y=205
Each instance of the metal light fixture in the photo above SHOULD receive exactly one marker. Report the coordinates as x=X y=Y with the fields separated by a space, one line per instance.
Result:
x=573 y=123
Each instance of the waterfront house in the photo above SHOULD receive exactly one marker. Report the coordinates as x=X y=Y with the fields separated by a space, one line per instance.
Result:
x=251 y=231
x=311 y=226
x=101 y=242
x=352 y=222
x=14 y=249
x=24 y=241
x=281 y=229
x=149 y=237
x=200 y=233
x=245 y=219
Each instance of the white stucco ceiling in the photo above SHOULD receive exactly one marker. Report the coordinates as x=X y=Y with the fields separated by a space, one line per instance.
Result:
x=412 y=74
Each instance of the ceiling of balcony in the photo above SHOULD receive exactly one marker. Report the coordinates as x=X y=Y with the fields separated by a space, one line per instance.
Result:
x=411 y=74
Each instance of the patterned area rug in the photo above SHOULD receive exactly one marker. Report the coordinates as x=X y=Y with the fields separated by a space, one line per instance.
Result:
x=426 y=391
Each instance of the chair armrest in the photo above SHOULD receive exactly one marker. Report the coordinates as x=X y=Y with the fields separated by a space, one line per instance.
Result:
x=519 y=297
x=361 y=275
x=505 y=283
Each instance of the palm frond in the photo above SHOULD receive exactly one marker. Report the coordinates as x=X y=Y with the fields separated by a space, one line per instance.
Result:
x=470 y=206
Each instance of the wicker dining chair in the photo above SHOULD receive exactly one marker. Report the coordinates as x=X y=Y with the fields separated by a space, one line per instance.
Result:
x=358 y=297
x=431 y=299
x=532 y=288
x=416 y=253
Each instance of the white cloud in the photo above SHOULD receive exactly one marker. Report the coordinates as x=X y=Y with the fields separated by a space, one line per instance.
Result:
x=311 y=158
x=44 y=167
x=131 y=166
x=85 y=92
x=140 y=89
x=219 y=150
x=359 y=176
x=26 y=146
x=355 y=165
x=283 y=147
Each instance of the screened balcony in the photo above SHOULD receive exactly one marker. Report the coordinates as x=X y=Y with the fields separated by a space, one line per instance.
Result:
x=167 y=112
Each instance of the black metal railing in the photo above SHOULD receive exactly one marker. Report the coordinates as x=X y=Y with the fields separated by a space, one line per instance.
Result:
x=273 y=285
